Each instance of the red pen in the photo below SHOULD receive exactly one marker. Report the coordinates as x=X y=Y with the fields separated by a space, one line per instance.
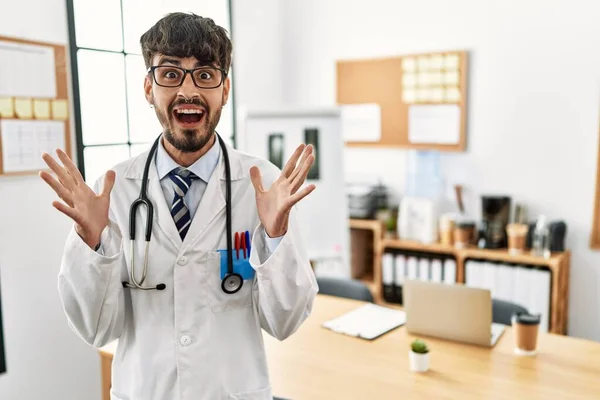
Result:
x=243 y=240
x=237 y=245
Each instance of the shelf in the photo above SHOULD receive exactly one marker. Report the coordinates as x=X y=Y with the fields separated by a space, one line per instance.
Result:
x=368 y=224
x=504 y=256
x=474 y=252
x=418 y=246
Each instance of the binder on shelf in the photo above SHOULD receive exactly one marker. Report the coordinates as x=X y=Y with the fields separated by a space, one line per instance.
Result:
x=450 y=271
x=423 y=269
x=399 y=277
x=412 y=267
x=436 y=270
x=387 y=276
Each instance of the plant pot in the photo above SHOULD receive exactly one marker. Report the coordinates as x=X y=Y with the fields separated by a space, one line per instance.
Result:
x=419 y=362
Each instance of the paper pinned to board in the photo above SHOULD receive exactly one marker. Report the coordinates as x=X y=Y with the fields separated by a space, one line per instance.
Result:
x=60 y=109
x=23 y=143
x=29 y=70
x=7 y=108
x=361 y=122
x=41 y=109
x=24 y=108
x=439 y=124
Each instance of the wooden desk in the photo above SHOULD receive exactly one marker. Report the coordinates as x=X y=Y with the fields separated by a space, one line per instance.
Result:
x=316 y=363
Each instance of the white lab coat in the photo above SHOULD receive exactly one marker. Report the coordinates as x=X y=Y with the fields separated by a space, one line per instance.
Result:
x=190 y=341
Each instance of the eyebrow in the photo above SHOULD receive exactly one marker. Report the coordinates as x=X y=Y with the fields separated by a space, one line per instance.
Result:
x=167 y=60
x=177 y=63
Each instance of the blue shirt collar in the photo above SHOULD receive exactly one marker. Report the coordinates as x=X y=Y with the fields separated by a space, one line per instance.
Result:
x=202 y=168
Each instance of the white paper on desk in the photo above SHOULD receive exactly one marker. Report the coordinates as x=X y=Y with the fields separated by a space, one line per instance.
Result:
x=23 y=143
x=438 y=124
x=361 y=122
x=27 y=70
x=367 y=321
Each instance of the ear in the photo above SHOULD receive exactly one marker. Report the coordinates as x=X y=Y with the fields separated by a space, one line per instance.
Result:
x=148 y=90
x=226 y=87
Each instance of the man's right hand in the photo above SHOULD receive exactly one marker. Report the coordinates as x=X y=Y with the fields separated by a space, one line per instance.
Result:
x=88 y=210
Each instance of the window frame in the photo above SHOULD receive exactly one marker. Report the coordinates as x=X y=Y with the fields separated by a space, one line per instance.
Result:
x=73 y=50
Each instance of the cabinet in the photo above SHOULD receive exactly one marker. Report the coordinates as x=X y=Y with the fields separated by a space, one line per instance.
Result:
x=374 y=244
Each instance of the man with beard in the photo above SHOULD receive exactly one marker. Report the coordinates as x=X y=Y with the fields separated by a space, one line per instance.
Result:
x=186 y=328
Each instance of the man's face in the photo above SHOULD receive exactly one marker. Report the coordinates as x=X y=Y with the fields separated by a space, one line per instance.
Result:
x=188 y=114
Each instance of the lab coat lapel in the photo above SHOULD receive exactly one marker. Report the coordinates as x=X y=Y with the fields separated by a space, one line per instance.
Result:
x=212 y=205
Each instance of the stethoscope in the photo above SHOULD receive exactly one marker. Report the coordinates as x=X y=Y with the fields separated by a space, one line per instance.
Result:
x=232 y=282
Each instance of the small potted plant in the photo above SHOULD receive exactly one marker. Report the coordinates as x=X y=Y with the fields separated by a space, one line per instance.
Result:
x=419 y=356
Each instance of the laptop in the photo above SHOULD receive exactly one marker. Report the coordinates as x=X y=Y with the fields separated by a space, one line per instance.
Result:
x=454 y=312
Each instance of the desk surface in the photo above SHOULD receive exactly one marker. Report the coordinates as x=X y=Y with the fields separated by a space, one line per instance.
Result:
x=316 y=363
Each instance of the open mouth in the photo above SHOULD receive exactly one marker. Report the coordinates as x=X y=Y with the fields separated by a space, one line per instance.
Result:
x=188 y=117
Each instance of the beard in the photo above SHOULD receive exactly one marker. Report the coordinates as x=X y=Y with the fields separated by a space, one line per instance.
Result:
x=189 y=140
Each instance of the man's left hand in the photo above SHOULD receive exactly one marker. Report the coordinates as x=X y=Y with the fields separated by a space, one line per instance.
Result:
x=274 y=204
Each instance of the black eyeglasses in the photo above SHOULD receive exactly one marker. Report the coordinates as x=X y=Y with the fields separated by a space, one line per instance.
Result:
x=203 y=77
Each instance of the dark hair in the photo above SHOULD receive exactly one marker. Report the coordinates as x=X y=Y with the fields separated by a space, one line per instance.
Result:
x=188 y=35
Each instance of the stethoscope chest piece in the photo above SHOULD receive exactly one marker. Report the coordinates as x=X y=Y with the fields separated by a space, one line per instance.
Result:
x=232 y=283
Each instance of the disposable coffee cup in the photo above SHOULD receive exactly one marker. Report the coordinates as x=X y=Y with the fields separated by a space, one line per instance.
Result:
x=517 y=237
x=525 y=330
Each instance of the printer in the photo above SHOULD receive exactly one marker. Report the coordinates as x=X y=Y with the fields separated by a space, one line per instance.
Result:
x=365 y=199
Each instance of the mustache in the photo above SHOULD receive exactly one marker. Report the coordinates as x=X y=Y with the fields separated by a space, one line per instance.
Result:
x=195 y=101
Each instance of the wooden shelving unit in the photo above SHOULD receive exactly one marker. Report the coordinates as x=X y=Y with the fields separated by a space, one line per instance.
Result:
x=558 y=264
x=366 y=240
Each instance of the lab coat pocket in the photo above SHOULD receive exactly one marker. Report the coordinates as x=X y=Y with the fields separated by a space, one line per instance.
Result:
x=261 y=394
x=218 y=300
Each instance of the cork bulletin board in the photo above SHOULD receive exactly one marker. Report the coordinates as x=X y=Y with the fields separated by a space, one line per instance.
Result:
x=34 y=104
x=422 y=98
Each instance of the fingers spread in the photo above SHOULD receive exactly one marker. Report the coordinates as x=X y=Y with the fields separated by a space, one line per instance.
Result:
x=291 y=164
x=296 y=197
x=60 y=190
x=60 y=172
x=256 y=179
x=68 y=211
x=70 y=167
x=301 y=177
x=307 y=152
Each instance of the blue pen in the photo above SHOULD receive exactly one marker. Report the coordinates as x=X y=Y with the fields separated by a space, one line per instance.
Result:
x=248 y=242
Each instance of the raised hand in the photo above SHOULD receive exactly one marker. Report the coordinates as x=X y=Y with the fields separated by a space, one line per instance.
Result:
x=274 y=205
x=88 y=210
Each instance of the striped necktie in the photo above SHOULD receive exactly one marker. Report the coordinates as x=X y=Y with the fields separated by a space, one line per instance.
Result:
x=182 y=180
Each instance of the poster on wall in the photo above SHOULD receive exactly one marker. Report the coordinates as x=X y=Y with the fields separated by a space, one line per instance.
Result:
x=311 y=136
x=276 y=148
x=2 y=357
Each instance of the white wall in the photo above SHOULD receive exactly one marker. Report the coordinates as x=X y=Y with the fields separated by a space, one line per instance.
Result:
x=534 y=99
x=45 y=360
x=257 y=53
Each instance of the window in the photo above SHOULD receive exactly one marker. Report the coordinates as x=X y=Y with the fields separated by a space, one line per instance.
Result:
x=113 y=121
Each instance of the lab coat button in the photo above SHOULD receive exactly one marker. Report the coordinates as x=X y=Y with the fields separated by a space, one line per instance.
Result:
x=182 y=261
x=185 y=340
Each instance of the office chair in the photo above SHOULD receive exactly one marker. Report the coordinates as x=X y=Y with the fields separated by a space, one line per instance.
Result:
x=347 y=288
x=502 y=311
